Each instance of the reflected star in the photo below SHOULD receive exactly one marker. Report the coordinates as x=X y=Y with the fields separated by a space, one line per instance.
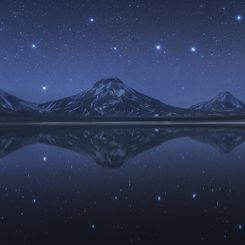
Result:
x=194 y=196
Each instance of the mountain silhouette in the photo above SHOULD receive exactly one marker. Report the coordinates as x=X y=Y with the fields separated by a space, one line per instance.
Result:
x=111 y=99
x=10 y=105
x=224 y=102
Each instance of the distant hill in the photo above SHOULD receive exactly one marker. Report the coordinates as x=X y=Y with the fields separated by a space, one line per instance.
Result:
x=224 y=102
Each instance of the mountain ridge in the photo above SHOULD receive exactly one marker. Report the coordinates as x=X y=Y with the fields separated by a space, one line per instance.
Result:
x=111 y=98
x=223 y=102
x=10 y=104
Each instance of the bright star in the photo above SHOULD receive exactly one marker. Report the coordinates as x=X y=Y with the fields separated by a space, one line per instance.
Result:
x=238 y=17
x=91 y=20
x=159 y=198
x=115 y=48
x=194 y=195
x=34 y=200
x=93 y=226
x=158 y=47
x=44 y=159
x=44 y=88
x=33 y=45
x=193 y=49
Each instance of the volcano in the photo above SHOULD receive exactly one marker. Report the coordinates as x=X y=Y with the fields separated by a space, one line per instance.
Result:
x=223 y=103
x=111 y=98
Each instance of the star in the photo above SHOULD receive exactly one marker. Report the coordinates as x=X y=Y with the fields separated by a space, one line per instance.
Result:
x=158 y=198
x=34 y=46
x=193 y=49
x=91 y=20
x=115 y=48
x=158 y=47
x=44 y=158
x=34 y=200
x=44 y=88
x=93 y=226
x=238 y=17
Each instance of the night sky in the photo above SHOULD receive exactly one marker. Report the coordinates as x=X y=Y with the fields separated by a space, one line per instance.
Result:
x=180 y=52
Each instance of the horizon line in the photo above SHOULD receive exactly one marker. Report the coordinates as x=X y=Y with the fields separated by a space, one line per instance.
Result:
x=130 y=123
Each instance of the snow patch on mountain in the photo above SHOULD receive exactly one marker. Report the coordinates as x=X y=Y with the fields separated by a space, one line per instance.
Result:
x=224 y=102
x=111 y=98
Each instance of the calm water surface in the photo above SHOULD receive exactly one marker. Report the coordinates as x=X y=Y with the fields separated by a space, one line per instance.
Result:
x=122 y=185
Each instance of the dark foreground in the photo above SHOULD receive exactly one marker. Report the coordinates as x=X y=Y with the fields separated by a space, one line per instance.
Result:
x=122 y=185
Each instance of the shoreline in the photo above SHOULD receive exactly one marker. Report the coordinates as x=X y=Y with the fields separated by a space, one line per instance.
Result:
x=130 y=123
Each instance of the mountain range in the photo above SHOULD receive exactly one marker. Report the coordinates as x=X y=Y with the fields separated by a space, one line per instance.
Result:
x=111 y=98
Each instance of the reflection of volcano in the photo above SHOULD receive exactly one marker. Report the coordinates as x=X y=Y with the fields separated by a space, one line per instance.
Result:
x=111 y=147
x=225 y=139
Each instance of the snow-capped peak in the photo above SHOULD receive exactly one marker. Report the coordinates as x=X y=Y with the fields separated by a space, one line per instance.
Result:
x=229 y=101
x=11 y=104
x=224 y=96
x=224 y=102
x=109 y=82
x=112 y=86
x=111 y=98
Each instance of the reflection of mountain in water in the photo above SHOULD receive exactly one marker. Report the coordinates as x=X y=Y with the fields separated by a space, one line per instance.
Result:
x=225 y=139
x=111 y=147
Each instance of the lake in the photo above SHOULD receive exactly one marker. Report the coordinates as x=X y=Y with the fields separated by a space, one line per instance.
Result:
x=122 y=185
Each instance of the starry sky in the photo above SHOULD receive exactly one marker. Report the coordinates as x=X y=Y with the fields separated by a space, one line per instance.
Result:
x=180 y=52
